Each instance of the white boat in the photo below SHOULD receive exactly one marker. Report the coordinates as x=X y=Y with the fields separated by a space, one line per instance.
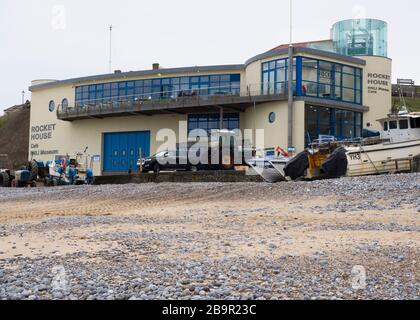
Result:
x=393 y=151
x=382 y=158
x=269 y=166
x=401 y=133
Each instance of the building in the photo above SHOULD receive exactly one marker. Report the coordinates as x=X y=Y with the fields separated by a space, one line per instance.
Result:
x=340 y=86
x=405 y=88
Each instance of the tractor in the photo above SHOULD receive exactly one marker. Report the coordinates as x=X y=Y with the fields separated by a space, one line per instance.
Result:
x=70 y=170
x=5 y=178
x=4 y=173
x=25 y=177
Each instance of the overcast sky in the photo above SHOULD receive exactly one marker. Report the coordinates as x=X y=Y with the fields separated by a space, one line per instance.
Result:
x=53 y=39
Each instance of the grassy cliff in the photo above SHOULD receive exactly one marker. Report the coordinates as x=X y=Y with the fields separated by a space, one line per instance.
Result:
x=3 y=120
x=413 y=104
x=14 y=136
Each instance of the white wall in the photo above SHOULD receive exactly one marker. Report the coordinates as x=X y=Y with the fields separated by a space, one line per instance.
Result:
x=377 y=95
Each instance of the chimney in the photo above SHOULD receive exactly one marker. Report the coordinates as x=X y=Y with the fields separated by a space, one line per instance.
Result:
x=156 y=66
x=117 y=71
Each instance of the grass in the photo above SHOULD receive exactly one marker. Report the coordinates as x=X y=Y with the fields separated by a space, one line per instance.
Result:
x=413 y=104
x=3 y=120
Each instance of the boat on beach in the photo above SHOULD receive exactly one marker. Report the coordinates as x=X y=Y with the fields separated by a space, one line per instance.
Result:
x=270 y=165
x=395 y=149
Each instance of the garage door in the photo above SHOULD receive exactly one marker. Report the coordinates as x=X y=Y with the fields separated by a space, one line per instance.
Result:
x=121 y=150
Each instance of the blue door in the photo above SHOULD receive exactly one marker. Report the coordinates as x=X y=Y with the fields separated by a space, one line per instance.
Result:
x=121 y=150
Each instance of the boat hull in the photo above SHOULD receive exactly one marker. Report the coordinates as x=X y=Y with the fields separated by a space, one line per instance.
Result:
x=271 y=173
x=382 y=158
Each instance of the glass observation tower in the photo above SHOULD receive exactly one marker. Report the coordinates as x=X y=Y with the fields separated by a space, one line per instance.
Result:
x=367 y=37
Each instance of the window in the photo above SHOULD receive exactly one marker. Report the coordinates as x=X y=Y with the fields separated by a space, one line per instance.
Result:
x=272 y=117
x=403 y=124
x=211 y=121
x=330 y=80
x=385 y=126
x=64 y=104
x=326 y=73
x=342 y=124
x=51 y=106
x=415 y=123
x=324 y=126
x=161 y=88
x=358 y=124
x=393 y=125
x=311 y=123
x=275 y=76
x=347 y=125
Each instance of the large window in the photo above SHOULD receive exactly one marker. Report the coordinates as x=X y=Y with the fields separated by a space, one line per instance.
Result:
x=162 y=88
x=314 y=78
x=329 y=80
x=415 y=123
x=342 y=124
x=275 y=76
x=210 y=121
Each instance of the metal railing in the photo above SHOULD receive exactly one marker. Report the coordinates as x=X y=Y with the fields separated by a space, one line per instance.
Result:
x=137 y=103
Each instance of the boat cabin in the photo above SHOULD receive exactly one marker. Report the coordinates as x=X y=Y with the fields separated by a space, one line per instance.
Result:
x=401 y=127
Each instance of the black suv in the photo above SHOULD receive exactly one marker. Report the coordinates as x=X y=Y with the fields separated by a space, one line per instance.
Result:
x=165 y=160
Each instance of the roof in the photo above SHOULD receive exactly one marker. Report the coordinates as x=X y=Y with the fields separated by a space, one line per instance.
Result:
x=133 y=74
x=317 y=52
x=303 y=47
x=306 y=44
x=414 y=115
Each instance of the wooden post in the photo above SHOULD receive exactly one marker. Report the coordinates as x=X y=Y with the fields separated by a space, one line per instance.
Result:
x=140 y=157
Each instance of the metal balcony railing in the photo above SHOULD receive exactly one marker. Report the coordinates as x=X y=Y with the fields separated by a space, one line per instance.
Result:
x=171 y=101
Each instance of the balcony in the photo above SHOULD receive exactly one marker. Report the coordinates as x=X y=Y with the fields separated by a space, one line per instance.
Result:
x=181 y=102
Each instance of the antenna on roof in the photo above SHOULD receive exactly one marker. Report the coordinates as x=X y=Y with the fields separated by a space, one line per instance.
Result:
x=110 y=48
x=291 y=22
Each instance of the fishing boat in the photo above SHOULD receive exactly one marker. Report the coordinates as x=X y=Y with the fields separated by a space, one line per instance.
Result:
x=395 y=150
x=400 y=143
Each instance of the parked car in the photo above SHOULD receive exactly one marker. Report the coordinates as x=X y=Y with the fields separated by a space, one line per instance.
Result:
x=166 y=161
x=172 y=161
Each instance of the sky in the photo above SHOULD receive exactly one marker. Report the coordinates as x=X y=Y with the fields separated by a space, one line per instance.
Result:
x=60 y=39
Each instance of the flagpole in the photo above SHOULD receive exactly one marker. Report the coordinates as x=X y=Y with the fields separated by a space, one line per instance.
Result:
x=291 y=23
x=110 y=49
x=290 y=86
